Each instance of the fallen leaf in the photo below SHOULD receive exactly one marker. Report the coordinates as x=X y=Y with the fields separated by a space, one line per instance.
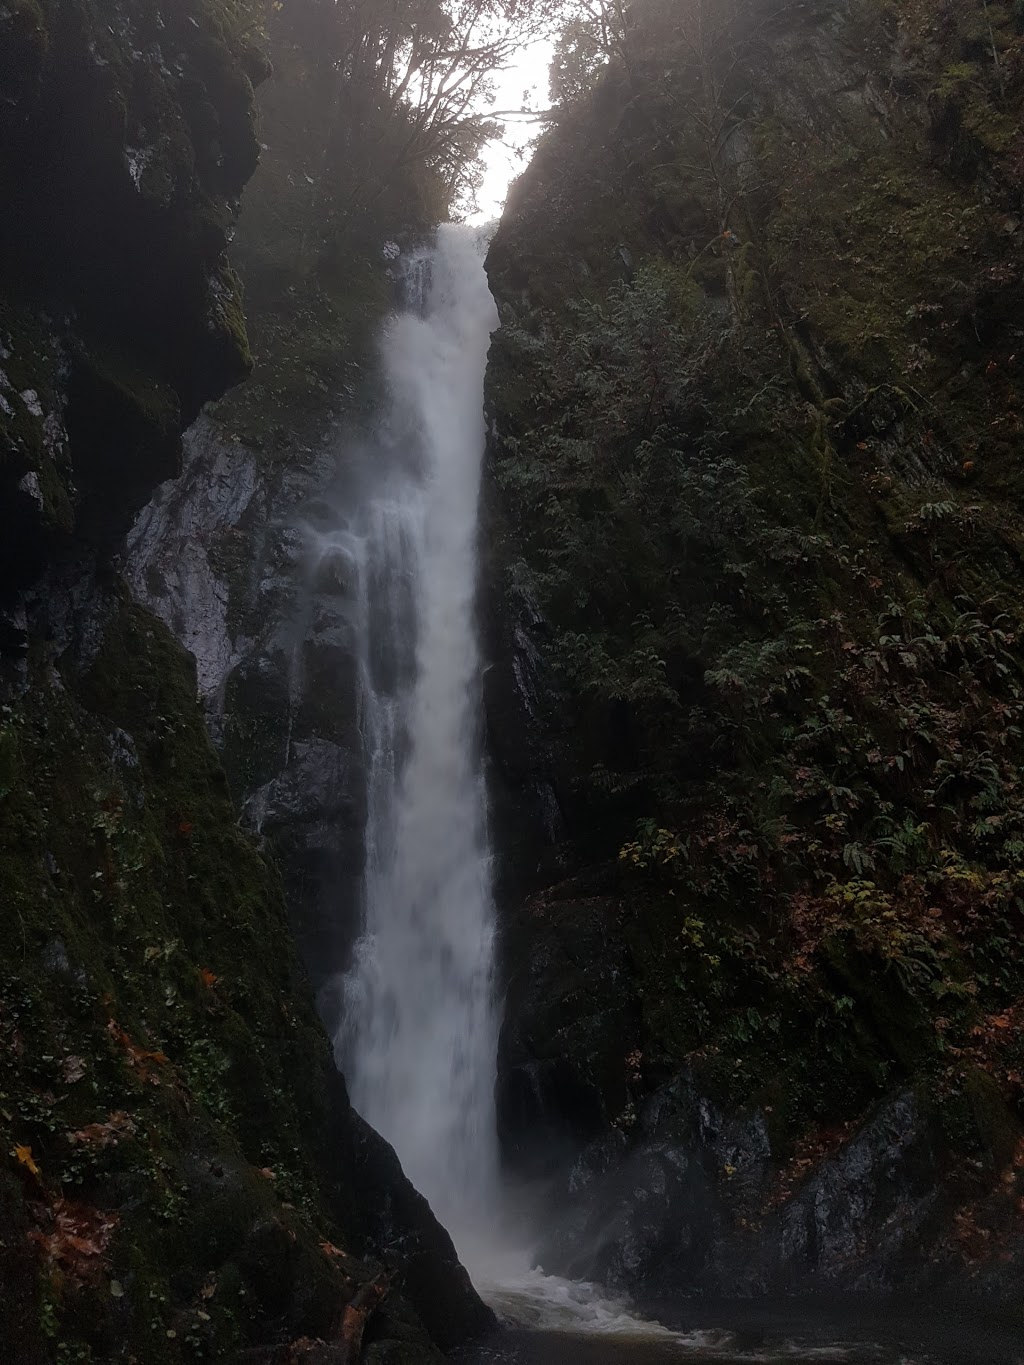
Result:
x=74 y=1237
x=73 y=1069
x=107 y=1134
x=24 y=1156
x=136 y=1056
x=208 y=978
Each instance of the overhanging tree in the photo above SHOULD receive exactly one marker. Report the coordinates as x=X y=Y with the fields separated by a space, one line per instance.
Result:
x=410 y=81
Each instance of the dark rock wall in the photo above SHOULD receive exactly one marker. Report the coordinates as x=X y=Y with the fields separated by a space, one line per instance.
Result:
x=755 y=471
x=124 y=145
x=182 y=1172
x=226 y=555
x=190 y=1170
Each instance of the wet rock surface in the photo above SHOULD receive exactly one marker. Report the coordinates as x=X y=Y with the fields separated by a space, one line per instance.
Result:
x=694 y=1202
x=158 y=987
x=124 y=145
x=571 y=1018
x=228 y=556
x=672 y=1194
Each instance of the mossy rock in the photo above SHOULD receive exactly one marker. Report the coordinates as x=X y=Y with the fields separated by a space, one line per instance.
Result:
x=171 y=1077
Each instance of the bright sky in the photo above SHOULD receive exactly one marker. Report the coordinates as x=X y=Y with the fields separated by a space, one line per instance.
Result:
x=507 y=158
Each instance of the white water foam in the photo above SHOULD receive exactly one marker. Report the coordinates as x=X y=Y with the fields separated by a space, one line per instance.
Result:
x=524 y=1297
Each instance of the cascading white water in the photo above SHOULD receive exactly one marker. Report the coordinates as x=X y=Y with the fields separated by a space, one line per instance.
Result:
x=420 y=1033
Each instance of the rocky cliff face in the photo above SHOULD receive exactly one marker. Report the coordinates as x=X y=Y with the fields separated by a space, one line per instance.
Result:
x=225 y=555
x=125 y=145
x=755 y=471
x=229 y=554
x=183 y=1175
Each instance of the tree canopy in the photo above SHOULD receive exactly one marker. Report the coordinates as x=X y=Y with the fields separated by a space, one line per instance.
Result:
x=425 y=68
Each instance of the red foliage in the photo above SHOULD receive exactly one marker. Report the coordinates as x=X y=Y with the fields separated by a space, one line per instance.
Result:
x=73 y=1238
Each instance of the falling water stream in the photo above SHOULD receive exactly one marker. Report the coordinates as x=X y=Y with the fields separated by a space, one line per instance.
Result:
x=421 y=1021
x=419 y=1038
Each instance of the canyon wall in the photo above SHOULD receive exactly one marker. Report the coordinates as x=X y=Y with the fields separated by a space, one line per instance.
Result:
x=183 y=1175
x=755 y=697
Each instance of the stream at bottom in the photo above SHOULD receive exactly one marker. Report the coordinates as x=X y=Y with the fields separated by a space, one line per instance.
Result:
x=550 y=1321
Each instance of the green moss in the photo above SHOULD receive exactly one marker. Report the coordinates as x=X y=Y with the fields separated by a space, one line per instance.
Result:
x=154 y=404
x=314 y=350
x=957 y=78
x=802 y=607
x=998 y=1129
x=150 y=974
x=10 y=766
x=231 y=316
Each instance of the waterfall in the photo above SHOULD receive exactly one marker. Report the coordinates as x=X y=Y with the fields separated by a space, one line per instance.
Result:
x=419 y=1037
x=419 y=1030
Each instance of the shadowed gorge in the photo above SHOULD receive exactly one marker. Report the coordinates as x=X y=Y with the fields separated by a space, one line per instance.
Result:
x=511 y=826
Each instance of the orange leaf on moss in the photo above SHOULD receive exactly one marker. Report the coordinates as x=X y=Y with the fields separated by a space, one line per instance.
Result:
x=136 y=1056
x=107 y=1134
x=23 y=1155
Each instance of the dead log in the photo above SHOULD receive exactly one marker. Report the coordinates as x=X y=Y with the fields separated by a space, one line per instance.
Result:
x=344 y=1350
x=358 y=1311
